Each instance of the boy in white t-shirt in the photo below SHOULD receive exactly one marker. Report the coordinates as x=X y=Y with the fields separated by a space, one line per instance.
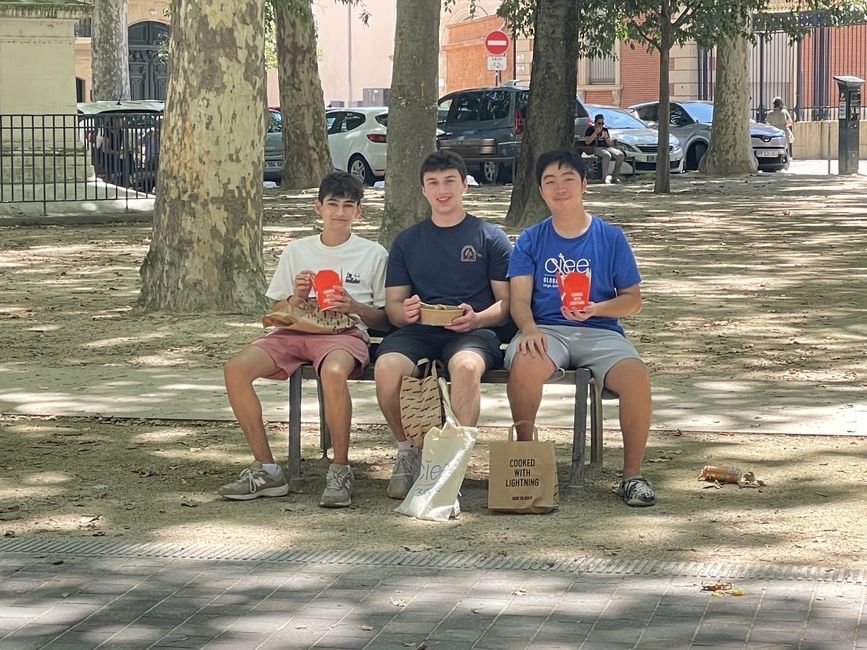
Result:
x=337 y=357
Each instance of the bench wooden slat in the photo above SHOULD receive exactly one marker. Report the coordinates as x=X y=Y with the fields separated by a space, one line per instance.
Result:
x=585 y=387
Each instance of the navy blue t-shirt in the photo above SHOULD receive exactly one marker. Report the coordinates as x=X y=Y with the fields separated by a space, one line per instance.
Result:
x=450 y=265
x=603 y=251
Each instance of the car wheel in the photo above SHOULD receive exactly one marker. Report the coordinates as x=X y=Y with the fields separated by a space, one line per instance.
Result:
x=694 y=155
x=490 y=172
x=359 y=168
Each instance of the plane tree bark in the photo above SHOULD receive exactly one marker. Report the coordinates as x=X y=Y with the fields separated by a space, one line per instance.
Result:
x=206 y=249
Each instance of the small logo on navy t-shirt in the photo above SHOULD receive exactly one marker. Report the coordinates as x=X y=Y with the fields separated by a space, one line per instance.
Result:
x=468 y=254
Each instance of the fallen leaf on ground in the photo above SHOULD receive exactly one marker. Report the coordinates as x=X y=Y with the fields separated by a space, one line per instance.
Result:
x=417 y=548
x=519 y=592
x=722 y=589
x=397 y=602
x=367 y=628
x=189 y=503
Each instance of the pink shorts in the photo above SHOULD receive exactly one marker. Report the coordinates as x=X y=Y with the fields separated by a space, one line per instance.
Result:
x=291 y=349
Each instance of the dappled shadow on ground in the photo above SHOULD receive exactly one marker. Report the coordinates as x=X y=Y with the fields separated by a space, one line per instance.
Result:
x=149 y=602
x=156 y=481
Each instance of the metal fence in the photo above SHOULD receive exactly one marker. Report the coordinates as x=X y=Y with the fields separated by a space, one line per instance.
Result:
x=53 y=158
x=800 y=72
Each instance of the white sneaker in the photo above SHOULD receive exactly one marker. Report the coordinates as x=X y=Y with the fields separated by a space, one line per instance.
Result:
x=339 y=483
x=255 y=482
x=405 y=472
x=608 y=180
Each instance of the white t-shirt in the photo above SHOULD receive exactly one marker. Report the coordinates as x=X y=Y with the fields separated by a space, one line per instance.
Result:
x=360 y=262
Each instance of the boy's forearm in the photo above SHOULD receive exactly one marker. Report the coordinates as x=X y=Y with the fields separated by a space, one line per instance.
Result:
x=522 y=315
x=375 y=318
x=495 y=315
x=623 y=305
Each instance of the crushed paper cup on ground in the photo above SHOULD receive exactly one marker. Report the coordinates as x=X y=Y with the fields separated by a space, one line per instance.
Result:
x=324 y=283
x=574 y=289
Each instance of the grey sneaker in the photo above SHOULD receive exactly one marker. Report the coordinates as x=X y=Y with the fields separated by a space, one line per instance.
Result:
x=636 y=491
x=405 y=472
x=339 y=483
x=255 y=482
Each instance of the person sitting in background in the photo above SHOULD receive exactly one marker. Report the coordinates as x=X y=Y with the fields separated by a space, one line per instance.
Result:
x=598 y=137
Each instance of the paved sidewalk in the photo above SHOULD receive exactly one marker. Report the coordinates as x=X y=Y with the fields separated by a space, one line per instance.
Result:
x=80 y=594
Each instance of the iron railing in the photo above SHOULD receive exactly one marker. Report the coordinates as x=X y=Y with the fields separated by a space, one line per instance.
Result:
x=800 y=72
x=57 y=157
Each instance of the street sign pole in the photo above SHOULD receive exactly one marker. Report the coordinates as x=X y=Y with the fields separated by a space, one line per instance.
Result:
x=497 y=44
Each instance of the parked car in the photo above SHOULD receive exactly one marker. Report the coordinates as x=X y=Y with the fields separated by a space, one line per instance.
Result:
x=274 y=145
x=691 y=121
x=121 y=137
x=357 y=140
x=484 y=126
x=124 y=140
x=637 y=140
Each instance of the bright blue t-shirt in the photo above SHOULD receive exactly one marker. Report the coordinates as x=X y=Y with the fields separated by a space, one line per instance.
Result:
x=603 y=249
x=450 y=265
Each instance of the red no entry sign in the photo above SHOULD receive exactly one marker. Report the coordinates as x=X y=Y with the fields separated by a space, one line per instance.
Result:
x=497 y=42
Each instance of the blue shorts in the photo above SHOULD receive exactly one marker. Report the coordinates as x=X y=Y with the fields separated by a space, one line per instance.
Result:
x=417 y=341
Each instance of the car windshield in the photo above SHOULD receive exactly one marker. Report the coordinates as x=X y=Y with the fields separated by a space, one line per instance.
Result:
x=382 y=118
x=700 y=112
x=615 y=119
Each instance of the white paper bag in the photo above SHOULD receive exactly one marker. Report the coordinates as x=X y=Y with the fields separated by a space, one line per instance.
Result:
x=444 y=460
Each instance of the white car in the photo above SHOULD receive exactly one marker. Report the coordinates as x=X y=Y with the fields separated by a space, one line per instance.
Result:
x=356 y=138
x=637 y=140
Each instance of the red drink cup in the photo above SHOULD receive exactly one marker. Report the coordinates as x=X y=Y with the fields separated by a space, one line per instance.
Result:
x=324 y=283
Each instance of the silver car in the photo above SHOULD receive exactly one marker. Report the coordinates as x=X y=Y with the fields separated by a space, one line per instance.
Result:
x=690 y=122
x=638 y=141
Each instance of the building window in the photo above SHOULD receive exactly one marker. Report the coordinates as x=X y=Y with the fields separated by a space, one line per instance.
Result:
x=82 y=28
x=601 y=71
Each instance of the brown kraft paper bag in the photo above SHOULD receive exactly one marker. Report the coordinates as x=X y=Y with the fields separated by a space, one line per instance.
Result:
x=421 y=404
x=523 y=475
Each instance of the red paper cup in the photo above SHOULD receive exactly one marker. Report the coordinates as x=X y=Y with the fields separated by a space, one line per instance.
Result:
x=574 y=289
x=324 y=283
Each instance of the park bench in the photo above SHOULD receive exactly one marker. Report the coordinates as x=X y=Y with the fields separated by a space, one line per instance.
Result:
x=585 y=387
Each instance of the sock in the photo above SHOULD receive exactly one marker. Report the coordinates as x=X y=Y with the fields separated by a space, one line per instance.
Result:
x=271 y=468
x=404 y=445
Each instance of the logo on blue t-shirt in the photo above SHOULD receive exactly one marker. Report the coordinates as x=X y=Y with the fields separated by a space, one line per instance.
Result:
x=563 y=265
x=468 y=253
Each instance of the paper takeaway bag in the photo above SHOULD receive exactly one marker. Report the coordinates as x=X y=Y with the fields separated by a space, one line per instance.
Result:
x=307 y=317
x=421 y=407
x=444 y=459
x=523 y=475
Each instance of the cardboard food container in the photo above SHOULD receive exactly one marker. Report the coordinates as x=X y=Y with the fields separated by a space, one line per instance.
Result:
x=574 y=289
x=324 y=283
x=439 y=314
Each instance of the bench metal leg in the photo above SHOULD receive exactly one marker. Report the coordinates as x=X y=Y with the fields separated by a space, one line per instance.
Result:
x=295 y=426
x=324 y=431
x=579 y=428
x=595 y=424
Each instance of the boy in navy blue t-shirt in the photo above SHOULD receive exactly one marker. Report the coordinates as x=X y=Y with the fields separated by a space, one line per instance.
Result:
x=554 y=337
x=452 y=258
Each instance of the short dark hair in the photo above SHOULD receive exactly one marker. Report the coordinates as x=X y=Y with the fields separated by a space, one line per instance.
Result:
x=340 y=185
x=562 y=158
x=440 y=161
x=598 y=116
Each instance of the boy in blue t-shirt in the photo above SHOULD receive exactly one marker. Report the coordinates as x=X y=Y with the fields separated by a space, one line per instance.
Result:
x=554 y=337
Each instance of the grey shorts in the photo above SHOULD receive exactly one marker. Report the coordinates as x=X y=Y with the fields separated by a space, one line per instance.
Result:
x=572 y=347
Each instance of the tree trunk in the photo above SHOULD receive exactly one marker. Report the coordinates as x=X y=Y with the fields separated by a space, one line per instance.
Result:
x=550 y=119
x=305 y=143
x=730 y=152
x=206 y=249
x=662 y=184
x=412 y=113
x=109 y=46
